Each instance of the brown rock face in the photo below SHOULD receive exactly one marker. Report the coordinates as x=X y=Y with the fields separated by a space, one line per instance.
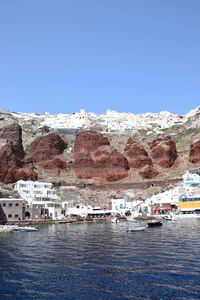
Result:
x=195 y=152
x=12 y=167
x=89 y=141
x=46 y=152
x=12 y=136
x=46 y=147
x=136 y=154
x=148 y=172
x=163 y=152
x=94 y=158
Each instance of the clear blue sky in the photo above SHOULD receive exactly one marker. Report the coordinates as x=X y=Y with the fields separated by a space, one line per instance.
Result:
x=127 y=55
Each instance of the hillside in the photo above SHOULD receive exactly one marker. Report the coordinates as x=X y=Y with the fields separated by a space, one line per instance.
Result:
x=95 y=157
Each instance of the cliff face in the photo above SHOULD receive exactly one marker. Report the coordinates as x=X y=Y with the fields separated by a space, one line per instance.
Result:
x=136 y=155
x=12 y=166
x=46 y=152
x=163 y=152
x=93 y=156
x=195 y=152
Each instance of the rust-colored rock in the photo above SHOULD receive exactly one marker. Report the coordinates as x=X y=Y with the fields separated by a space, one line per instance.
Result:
x=103 y=163
x=195 y=152
x=136 y=155
x=12 y=136
x=46 y=147
x=12 y=167
x=89 y=141
x=46 y=152
x=148 y=172
x=163 y=152
x=54 y=166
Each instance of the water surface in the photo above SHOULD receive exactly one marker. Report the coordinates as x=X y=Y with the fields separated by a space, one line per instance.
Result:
x=102 y=261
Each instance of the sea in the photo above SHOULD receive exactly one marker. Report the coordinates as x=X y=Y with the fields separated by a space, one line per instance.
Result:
x=102 y=261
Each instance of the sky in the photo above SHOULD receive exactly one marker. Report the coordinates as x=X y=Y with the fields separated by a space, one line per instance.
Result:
x=133 y=56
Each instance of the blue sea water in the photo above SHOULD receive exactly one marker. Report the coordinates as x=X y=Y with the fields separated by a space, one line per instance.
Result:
x=102 y=261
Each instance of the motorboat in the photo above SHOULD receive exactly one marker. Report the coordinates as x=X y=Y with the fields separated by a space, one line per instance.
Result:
x=133 y=229
x=154 y=223
x=115 y=220
x=170 y=218
x=4 y=229
x=25 y=228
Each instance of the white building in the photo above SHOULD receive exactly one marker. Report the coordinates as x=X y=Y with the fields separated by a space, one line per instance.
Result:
x=122 y=205
x=35 y=191
x=189 y=187
x=43 y=210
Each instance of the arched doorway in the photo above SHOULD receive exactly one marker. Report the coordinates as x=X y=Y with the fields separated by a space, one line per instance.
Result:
x=27 y=214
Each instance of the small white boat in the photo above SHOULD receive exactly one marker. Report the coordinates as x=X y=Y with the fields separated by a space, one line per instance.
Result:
x=4 y=229
x=171 y=218
x=25 y=228
x=133 y=229
x=115 y=220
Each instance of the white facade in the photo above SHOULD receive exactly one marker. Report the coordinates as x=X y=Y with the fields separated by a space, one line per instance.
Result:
x=79 y=210
x=189 y=187
x=112 y=120
x=122 y=205
x=35 y=191
x=53 y=208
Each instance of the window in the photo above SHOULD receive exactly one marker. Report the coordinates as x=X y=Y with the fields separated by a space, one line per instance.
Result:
x=16 y=216
x=4 y=204
x=16 y=204
x=10 y=204
x=10 y=216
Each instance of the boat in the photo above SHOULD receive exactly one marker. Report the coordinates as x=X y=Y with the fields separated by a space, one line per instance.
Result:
x=133 y=229
x=4 y=229
x=154 y=223
x=115 y=220
x=25 y=228
x=170 y=218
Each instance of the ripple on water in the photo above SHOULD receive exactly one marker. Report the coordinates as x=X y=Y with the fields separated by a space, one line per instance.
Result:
x=90 y=261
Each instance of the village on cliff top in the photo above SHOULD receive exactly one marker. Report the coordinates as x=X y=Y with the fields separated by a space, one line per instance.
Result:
x=93 y=159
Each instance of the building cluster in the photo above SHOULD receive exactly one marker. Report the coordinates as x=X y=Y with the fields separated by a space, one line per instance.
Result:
x=175 y=199
x=111 y=121
x=38 y=200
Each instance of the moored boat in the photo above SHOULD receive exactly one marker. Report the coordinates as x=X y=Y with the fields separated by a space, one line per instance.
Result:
x=154 y=223
x=171 y=218
x=133 y=229
x=25 y=228
x=115 y=220
x=4 y=229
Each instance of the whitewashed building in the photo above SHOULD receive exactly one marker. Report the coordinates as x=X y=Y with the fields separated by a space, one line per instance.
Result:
x=35 y=190
x=122 y=205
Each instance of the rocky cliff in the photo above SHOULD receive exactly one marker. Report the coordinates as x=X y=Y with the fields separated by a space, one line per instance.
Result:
x=124 y=158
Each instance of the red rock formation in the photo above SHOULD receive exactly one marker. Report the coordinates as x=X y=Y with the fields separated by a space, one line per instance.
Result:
x=46 y=152
x=46 y=147
x=11 y=156
x=195 y=152
x=136 y=154
x=163 y=152
x=12 y=136
x=89 y=141
x=148 y=172
x=94 y=158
